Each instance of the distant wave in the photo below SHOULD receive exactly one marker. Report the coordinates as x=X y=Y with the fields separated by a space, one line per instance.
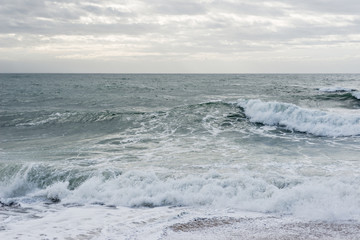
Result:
x=294 y=118
x=35 y=119
x=46 y=119
x=336 y=89
x=40 y=118
x=354 y=92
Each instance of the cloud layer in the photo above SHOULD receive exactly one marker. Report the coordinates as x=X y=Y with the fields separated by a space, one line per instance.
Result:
x=179 y=36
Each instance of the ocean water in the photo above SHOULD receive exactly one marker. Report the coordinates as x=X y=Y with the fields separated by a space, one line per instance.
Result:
x=179 y=156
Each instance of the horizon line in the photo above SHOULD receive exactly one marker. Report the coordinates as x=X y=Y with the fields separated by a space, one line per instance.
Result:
x=174 y=73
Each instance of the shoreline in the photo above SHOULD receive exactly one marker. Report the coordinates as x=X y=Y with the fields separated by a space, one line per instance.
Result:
x=165 y=223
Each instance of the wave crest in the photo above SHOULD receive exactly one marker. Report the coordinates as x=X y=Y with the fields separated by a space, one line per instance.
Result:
x=315 y=198
x=336 y=89
x=294 y=118
x=356 y=95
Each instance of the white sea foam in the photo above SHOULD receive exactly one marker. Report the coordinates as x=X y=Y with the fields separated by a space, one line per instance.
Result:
x=91 y=222
x=209 y=195
x=332 y=198
x=295 y=118
x=336 y=89
x=96 y=222
x=356 y=95
x=46 y=119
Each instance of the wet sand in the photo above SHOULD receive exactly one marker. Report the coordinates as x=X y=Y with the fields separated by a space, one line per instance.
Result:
x=262 y=228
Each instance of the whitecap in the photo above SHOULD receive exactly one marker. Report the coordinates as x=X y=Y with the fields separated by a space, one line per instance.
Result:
x=295 y=118
x=356 y=95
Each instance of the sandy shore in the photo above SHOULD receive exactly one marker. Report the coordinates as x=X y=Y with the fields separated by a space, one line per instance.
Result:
x=261 y=228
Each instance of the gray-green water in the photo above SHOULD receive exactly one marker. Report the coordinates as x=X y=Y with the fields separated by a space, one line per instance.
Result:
x=282 y=144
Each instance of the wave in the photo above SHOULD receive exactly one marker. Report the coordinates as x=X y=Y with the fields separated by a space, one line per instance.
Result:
x=343 y=96
x=356 y=95
x=41 y=118
x=35 y=119
x=202 y=118
x=336 y=89
x=312 y=198
x=294 y=118
x=210 y=117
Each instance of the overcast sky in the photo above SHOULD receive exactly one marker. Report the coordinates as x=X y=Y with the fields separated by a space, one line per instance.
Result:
x=173 y=36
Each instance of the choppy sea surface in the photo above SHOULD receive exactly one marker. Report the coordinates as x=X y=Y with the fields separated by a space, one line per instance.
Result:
x=179 y=156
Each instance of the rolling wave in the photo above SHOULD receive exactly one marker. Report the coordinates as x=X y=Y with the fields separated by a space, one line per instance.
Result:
x=336 y=89
x=295 y=118
x=354 y=93
x=311 y=198
x=40 y=118
x=209 y=116
x=35 y=119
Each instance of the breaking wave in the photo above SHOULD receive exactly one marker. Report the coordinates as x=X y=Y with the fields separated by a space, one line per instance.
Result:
x=295 y=118
x=313 y=198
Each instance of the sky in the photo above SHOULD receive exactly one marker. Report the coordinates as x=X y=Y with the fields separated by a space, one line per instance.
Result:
x=173 y=36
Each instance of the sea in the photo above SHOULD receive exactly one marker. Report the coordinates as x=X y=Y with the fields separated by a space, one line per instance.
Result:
x=179 y=156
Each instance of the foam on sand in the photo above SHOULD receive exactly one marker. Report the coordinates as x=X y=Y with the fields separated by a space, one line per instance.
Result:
x=98 y=222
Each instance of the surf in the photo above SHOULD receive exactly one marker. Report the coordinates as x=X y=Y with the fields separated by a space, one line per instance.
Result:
x=295 y=118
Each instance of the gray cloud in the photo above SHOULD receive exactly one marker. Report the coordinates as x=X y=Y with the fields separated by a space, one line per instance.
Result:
x=221 y=30
x=248 y=17
x=328 y=6
x=178 y=7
